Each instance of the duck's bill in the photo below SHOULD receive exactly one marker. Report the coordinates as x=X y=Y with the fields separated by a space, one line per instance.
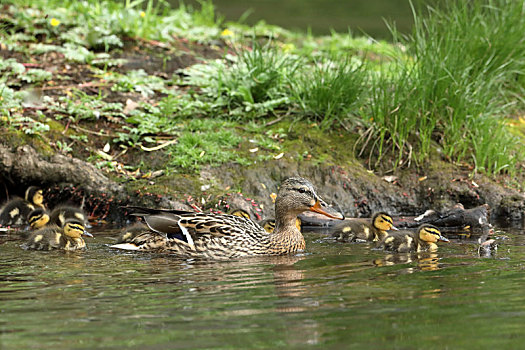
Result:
x=443 y=239
x=394 y=228
x=85 y=233
x=327 y=211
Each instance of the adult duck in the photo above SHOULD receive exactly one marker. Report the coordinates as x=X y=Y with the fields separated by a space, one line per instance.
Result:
x=219 y=236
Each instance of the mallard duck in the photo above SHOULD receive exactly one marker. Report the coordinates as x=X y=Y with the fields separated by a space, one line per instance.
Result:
x=68 y=237
x=424 y=239
x=267 y=224
x=60 y=214
x=364 y=229
x=38 y=218
x=15 y=211
x=219 y=236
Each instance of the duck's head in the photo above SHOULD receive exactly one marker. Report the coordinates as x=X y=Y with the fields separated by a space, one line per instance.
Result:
x=74 y=228
x=38 y=218
x=430 y=234
x=297 y=195
x=34 y=195
x=383 y=221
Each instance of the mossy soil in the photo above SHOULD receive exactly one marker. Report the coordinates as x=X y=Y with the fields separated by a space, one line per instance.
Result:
x=325 y=155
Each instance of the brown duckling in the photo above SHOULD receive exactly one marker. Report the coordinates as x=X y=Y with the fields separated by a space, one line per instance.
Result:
x=68 y=237
x=218 y=236
x=14 y=213
x=38 y=218
x=60 y=214
x=424 y=239
x=128 y=233
x=267 y=224
x=364 y=229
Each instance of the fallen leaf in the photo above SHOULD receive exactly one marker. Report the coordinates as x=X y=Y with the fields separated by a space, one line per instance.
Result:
x=253 y=150
x=130 y=106
x=422 y=178
x=390 y=178
x=279 y=156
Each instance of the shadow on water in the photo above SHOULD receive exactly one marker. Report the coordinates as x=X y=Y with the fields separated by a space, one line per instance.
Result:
x=335 y=295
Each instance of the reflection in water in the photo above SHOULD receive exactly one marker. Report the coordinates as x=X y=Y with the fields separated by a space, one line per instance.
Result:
x=333 y=296
x=426 y=261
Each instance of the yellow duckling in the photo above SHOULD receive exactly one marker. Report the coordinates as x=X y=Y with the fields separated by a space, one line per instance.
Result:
x=38 y=218
x=61 y=214
x=218 y=236
x=52 y=237
x=364 y=229
x=267 y=224
x=128 y=233
x=424 y=239
x=15 y=211
x=241 y=213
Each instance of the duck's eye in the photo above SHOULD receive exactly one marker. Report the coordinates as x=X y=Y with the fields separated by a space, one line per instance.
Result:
x=303 y=190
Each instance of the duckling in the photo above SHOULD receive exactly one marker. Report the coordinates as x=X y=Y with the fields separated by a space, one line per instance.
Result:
x=35 y=195
x=355 y=230
x=424 y=239
x=15 y=211
x=269 y=224
x=38 y=218
x=60 y=214
x=128 y=233
x=69 y=237
x=241 y=213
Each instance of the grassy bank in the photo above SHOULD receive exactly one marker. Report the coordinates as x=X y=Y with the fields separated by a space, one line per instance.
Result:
x=201 y=91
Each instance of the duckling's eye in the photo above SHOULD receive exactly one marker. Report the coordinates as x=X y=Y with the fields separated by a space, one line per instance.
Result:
x=301 y=190
x=387 y=219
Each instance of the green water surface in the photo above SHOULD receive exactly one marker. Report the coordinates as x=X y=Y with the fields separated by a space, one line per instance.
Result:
x=336 y=296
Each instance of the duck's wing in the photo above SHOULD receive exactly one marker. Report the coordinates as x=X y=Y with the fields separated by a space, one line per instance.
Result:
x=141 y=211
x=195 y=224
x=190 y=226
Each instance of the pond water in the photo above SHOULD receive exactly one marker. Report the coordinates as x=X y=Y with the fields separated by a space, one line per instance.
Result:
x=321 y=16
x=334 y=296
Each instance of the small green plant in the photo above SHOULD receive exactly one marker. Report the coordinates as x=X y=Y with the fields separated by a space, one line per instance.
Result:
x=139 y=81
x=82 y=106
x=36 y=76
x=63 y=147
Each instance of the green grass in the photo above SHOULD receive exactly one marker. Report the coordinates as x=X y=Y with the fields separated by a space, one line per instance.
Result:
x=331 y=90
x=467 y=63
x=445 y=90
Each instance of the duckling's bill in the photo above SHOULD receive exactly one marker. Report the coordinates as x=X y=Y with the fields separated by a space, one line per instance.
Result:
x=443 y=238
x=327 y=211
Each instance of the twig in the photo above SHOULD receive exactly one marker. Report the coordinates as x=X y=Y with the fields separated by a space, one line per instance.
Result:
x=156 y=148
x=90 y=84
x=275 y=121
x=90 y=132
